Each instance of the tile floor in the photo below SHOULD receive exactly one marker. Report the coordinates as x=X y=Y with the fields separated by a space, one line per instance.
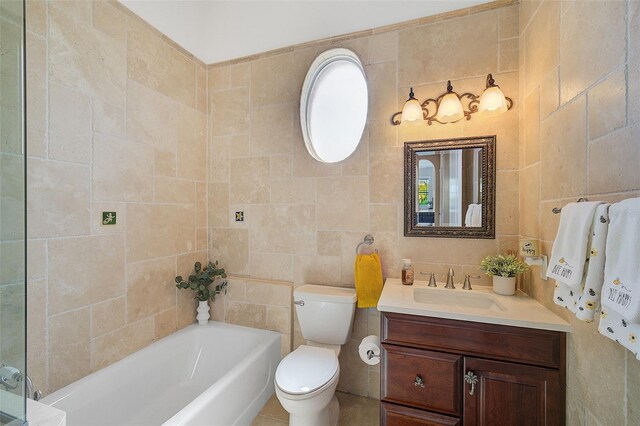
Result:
x=354 y=411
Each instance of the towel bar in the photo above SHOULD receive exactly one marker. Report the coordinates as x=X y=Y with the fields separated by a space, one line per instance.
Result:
x=557 y=210
x=368 y=240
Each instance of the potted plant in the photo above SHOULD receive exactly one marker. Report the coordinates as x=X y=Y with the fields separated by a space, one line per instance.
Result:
x=503 y=268
x=201 y=283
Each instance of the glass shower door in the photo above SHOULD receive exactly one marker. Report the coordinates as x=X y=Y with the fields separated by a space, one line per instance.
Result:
x=12 y=215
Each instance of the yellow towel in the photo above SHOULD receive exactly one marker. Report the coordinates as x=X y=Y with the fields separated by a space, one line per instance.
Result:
x=368 y=277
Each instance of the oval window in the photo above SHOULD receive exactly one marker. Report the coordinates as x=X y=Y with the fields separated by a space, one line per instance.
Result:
x=333 y=105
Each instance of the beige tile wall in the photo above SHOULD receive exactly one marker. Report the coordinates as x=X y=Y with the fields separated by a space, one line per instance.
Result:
x=259 y=304
x=116 y=123
x=581 y=138
x=303 y=219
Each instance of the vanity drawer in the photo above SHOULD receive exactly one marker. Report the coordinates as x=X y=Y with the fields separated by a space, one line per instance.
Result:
x=514 y=344
x=397 y=415
x=422 y=379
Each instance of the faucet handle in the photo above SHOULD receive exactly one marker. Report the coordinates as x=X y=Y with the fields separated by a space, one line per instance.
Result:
x=467 y=281
x=432 y=278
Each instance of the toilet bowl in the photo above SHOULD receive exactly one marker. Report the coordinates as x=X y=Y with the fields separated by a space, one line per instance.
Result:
x=306 y=379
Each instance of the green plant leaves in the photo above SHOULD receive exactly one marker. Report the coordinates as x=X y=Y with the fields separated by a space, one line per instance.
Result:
x=503 y=265
x=202 y=279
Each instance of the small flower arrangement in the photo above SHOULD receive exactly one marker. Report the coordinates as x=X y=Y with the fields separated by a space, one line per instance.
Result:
x=201 y=281
x=503 y=265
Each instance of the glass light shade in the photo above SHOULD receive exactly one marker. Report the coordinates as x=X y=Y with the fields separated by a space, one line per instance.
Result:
x=412 y=111
x=492 y=101
x=450 y=109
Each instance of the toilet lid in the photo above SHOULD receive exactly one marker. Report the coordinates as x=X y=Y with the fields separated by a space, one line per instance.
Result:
x=306 y=369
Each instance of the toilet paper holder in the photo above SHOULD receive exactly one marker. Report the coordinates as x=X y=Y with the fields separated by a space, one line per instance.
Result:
x=370 y=350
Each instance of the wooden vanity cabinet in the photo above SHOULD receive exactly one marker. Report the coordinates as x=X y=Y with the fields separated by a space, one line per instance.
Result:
x=449 y=372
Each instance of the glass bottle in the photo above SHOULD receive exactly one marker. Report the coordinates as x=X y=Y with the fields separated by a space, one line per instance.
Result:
x=407 y=272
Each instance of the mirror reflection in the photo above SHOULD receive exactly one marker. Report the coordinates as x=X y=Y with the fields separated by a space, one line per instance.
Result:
x=449 y=187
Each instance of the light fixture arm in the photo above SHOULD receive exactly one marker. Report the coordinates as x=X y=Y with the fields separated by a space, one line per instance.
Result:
x=395 y=118
x=449 y=87
x=490 y=81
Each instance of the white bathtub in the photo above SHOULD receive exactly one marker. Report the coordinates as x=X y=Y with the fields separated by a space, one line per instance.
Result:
x=216 y=374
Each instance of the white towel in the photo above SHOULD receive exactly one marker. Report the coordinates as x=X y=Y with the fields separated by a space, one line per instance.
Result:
x=621 y=292
x=476 y=217
x=569 y=253
x=467 y=217
x=583 y=301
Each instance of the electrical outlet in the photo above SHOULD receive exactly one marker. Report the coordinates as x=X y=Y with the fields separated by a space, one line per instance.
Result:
x=108 y=218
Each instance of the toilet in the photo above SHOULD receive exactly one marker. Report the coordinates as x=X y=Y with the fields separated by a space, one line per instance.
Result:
x=306 y=379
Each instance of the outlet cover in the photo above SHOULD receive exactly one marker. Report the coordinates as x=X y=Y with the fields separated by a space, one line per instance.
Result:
x=108 y=218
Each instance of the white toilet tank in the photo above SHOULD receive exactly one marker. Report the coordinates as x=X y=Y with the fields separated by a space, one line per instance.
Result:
x=326 y=316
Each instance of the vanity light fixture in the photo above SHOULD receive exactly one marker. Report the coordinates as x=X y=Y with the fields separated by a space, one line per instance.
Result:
x=450 y=107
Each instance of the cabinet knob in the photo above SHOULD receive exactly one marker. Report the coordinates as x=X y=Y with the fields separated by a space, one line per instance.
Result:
x=471 y=379
x=419 y=381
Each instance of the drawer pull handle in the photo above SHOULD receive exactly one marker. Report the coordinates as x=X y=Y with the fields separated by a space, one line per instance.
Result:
x=419 y=382
x=471 y=379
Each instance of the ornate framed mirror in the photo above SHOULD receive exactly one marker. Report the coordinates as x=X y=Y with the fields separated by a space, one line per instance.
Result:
x=450 y=188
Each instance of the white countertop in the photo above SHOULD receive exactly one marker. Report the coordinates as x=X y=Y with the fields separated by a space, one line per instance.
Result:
x=520 y=310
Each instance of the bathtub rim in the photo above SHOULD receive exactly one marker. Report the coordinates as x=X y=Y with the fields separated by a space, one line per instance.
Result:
x=66 y=391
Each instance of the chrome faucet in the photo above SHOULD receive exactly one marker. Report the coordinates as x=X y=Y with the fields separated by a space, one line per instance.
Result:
x=32 y=392
x=450 y=279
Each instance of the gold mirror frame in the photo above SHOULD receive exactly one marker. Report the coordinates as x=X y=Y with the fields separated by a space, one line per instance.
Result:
x=487 y=230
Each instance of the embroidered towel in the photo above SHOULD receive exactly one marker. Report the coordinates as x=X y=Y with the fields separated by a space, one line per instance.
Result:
x=583 y=301
x=616 y=328
x=368 y=279
x=569 y=253
x=621 y=292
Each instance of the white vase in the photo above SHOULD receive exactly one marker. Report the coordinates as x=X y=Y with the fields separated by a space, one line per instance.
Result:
x=505 y=286
x=203 y=312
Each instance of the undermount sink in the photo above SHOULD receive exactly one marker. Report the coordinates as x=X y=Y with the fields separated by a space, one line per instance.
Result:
x=456 y=299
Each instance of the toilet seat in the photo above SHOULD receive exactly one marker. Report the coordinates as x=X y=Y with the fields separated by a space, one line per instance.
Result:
x=332 y=383
x=306 y=370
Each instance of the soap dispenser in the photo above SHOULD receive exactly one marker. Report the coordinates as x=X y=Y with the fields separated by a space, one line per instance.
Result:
x=407 y=272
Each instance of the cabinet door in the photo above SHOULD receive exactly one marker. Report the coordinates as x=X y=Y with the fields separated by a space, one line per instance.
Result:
x=502 y=393
x=397 y=415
